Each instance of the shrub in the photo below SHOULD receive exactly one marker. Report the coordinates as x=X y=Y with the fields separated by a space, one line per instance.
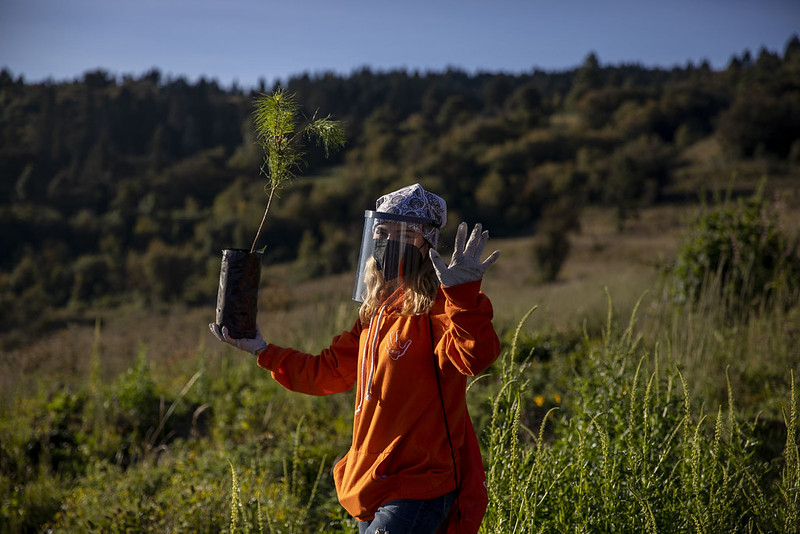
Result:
x=637 y=173
x=93 y=277
x=758 y=122
x=167 y=269
x=551 y=248
x=739 y=251
x=136 y=399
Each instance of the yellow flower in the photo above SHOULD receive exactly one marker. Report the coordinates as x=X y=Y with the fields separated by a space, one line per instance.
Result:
x=539 y=400
x=557 y=398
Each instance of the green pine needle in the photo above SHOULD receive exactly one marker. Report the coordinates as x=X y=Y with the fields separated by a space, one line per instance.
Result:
x=275 y=119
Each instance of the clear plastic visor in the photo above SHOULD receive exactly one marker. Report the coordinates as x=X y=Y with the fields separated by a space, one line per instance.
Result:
x=391 y=249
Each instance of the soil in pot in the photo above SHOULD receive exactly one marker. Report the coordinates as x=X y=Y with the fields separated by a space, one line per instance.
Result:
x=237 y=297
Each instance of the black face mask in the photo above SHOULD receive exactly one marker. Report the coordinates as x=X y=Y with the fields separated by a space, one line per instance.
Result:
x=387 y=256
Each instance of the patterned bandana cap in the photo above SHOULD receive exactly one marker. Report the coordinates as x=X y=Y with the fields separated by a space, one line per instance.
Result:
x=413 y=200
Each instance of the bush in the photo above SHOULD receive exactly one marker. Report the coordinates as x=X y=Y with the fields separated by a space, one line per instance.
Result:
x=760 y=123
x=638 y=171
x=739 y=251
x=551 y=248
x=135 y=399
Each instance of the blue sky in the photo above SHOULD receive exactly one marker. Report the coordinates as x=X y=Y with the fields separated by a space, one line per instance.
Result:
x=244 y=40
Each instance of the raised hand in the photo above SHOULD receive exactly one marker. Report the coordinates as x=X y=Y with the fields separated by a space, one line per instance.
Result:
x=465 y=264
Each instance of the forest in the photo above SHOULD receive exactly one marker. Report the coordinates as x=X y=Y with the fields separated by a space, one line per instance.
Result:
x=647 y=298
x=115 y=191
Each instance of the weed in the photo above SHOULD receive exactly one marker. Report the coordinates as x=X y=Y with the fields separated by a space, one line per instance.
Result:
x=645 y=426
x=631 y=455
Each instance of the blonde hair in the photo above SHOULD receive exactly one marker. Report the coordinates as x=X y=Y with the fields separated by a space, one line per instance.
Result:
x=417 y=299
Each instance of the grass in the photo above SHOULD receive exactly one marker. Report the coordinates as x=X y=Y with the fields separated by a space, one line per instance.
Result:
x=631 y=450
x=607 y=412
x=174 y=335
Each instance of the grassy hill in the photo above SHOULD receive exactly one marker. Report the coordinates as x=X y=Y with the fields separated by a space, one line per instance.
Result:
x=138 y=418
x=613 y=408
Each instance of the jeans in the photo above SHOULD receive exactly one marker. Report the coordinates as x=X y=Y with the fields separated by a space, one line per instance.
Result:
x=409 y=516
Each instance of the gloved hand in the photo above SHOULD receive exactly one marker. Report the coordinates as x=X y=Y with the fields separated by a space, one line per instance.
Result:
x=252 y=345
x=465 y=265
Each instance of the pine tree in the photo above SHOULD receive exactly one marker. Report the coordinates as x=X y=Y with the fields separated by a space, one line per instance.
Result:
x=275 y=119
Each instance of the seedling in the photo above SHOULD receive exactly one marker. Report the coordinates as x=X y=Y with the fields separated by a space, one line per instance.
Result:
x=275 y=120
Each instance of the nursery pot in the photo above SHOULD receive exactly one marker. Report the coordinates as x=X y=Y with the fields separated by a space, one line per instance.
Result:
x=237 y=298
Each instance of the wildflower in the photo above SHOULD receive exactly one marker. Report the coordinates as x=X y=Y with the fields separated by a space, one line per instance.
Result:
x=556 y=398
x=539 y=400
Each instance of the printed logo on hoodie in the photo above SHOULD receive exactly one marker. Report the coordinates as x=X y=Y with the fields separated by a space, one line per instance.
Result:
x=395 y=347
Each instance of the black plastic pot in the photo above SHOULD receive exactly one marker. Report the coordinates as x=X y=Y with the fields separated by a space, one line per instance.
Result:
x=237 y=297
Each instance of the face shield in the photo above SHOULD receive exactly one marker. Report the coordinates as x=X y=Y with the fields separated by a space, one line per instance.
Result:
x=390 y=250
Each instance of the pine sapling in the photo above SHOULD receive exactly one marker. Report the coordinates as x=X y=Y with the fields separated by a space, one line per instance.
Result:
x=275 y=120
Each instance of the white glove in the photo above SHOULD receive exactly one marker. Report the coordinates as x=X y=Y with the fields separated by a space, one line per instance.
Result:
x=465 y=265
x=252 y=345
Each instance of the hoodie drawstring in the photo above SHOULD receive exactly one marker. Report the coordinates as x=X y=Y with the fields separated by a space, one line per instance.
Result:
x=372 y=346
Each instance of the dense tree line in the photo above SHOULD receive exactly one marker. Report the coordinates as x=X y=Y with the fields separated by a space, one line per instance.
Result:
x=114 y=189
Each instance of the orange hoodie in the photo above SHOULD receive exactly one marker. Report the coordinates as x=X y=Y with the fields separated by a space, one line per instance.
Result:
x=400 y=448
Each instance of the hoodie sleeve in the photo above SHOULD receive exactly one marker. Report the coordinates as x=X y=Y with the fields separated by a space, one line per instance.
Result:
x=468 y=338
x=331 y=371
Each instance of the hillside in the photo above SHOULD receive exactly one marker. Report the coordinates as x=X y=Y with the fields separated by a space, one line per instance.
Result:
x=90 y=439
x=120 y=192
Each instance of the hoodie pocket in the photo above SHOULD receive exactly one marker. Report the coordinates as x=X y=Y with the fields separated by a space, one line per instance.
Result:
x=357 y=486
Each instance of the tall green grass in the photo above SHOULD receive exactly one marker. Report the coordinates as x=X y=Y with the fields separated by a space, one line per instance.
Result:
x=629 y=450
x=289 y=507
x=666 y=422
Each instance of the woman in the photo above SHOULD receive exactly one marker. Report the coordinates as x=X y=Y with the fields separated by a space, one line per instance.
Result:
x=423 y=327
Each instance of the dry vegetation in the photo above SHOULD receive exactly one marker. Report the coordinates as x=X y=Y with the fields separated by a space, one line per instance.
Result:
x=292 y=312
x=270 y=438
